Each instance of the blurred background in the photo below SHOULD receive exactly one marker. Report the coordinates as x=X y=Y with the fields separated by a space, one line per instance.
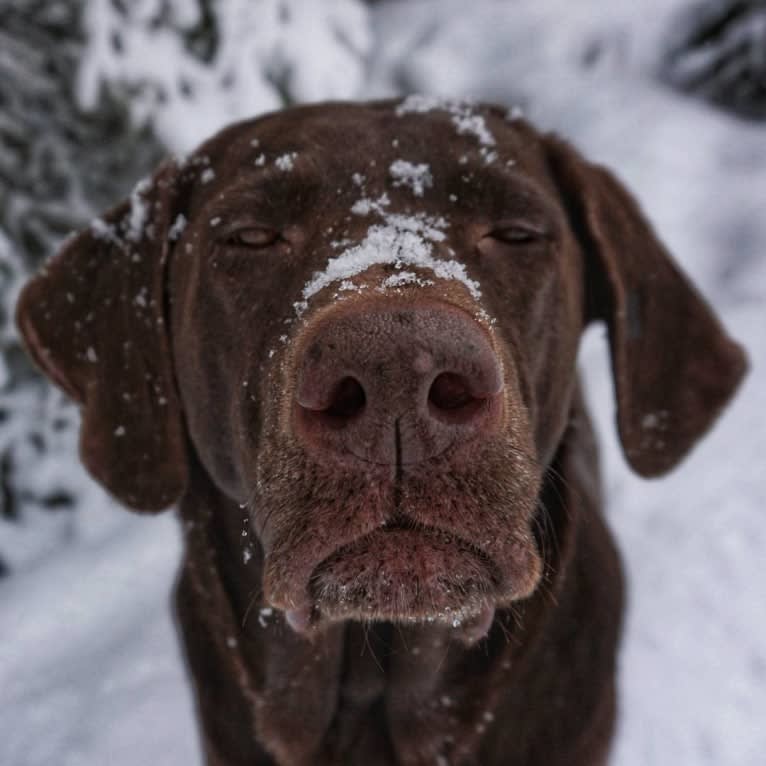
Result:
x=669 y=93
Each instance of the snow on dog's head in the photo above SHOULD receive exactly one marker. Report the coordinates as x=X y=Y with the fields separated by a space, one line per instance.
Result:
x=398 y=240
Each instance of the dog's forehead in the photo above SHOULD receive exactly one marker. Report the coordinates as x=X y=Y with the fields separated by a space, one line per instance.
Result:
x=406 y=141
x=357 y=163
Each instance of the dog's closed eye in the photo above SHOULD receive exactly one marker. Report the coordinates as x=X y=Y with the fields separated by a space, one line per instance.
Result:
x=507 y=238
x=253 y=237
x=519 y=233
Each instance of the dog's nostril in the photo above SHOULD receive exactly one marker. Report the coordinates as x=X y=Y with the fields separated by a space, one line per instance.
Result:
x=449 y=391
x=347 y=399
x=450 y=399
x=327 y=406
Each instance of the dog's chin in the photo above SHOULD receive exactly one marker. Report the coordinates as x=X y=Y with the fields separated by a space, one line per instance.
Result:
x=401 y=575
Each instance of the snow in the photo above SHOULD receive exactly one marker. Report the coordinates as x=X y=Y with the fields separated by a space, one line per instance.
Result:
x=417 y=176
x=464 y=116
x=309 y=49
x=365 y=205
x=420 y=103
x=403 y=278
x=400 y=240
x=178 y=226
x=474 y=124
x=286 y=162
x=104 y=231
x=264 y=615
x=139 y=211
x=90 y=671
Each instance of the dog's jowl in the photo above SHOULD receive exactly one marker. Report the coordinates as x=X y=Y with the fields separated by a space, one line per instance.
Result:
x=342 y=339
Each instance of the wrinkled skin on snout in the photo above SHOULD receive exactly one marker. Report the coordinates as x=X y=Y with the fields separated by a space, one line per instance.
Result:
x=417 y=502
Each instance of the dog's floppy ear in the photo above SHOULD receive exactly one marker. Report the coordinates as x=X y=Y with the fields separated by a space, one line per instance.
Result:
x=674 y=366
x=93 y=321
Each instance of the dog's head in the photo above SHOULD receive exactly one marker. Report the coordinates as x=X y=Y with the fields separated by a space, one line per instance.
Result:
x=364 y=321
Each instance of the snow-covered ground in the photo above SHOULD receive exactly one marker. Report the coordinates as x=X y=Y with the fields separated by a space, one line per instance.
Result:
x=89 y=666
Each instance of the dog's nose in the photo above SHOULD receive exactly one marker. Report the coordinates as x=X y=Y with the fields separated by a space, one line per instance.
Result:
x=396 y=385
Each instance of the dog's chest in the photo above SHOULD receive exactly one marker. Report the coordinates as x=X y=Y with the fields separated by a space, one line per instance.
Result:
x=397 y=702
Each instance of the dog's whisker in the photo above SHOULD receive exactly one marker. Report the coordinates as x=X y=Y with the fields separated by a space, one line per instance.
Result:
x=368 y=643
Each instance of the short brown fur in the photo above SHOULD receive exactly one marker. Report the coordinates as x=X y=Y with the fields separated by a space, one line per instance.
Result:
x=185 y=351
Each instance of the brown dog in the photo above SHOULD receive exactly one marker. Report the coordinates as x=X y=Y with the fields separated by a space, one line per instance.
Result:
x=344 y=336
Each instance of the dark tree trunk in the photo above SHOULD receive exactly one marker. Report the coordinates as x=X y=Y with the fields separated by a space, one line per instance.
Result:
x=721 y=56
